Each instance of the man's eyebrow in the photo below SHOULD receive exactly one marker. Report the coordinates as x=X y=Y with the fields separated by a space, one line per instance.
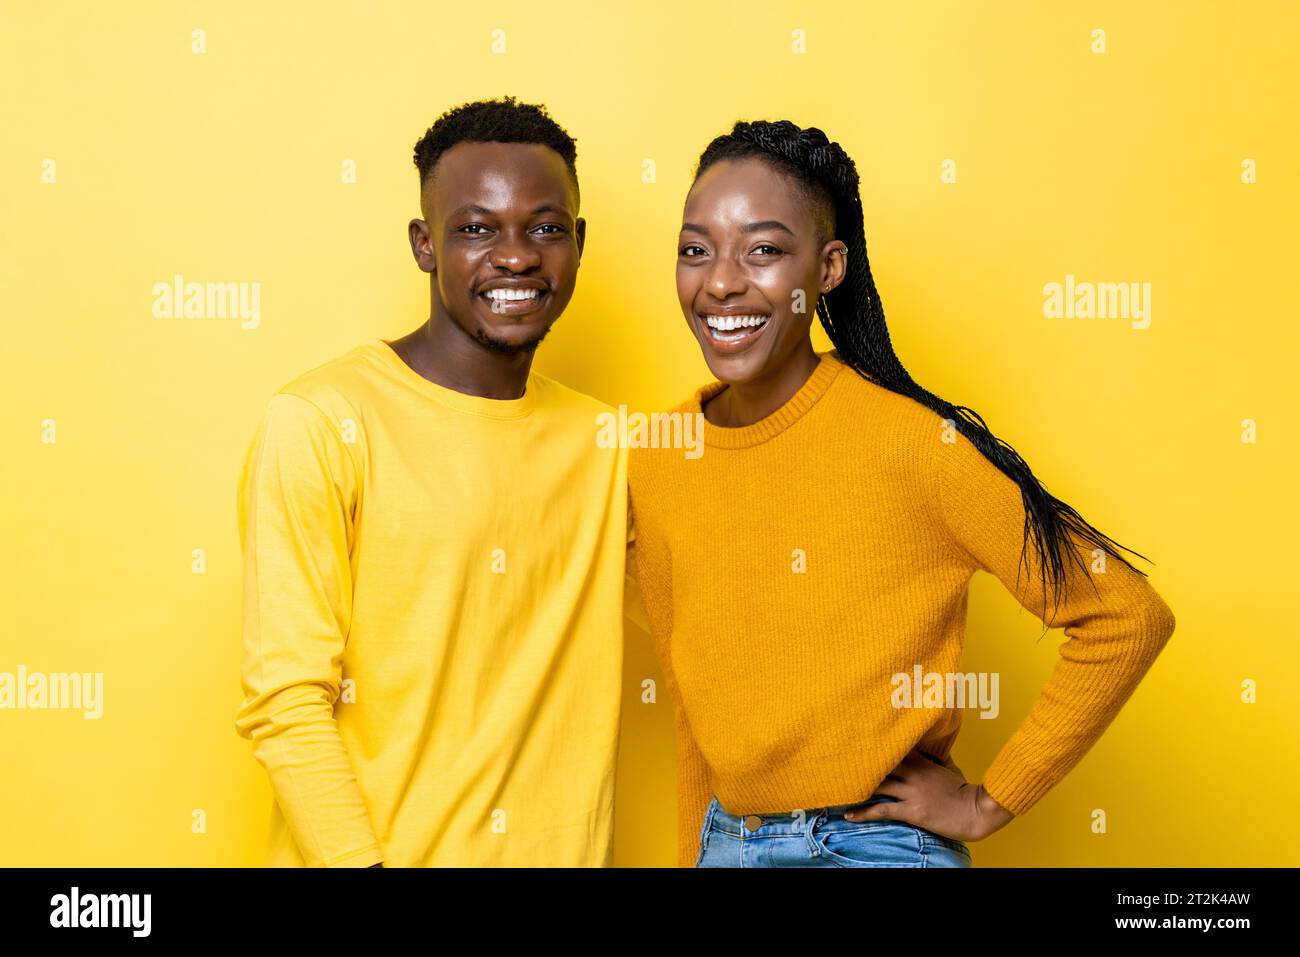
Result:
x=484 y=211
x=748 y=228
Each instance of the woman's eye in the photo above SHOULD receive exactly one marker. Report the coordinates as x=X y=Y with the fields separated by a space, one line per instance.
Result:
x=690 y=251
x=767 y=249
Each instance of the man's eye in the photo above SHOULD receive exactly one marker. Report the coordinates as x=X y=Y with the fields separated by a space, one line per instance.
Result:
x=553 y=227
x=469 y=226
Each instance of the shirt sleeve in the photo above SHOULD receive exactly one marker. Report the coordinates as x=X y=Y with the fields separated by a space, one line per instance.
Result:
x=1114 y=621
x=296 y=504
x=648 y=572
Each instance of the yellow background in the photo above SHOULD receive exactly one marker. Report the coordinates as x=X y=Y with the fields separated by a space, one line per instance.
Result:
x=226 y=166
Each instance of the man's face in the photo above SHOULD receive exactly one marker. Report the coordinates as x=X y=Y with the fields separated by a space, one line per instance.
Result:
x=502 y=238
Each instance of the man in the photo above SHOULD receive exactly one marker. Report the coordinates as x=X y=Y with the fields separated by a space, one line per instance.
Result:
x=434 y=548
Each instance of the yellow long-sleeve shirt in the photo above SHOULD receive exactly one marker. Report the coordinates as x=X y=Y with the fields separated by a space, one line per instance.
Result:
x=799 y=564
x=433 y=600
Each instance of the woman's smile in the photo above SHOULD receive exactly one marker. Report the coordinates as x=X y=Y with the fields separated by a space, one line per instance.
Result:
x=729 y=331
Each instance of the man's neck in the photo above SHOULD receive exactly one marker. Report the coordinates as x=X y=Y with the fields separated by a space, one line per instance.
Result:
x=442 y=352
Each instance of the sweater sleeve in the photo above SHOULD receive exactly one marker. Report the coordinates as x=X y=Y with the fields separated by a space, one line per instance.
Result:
x=296 y=501
x=647 y=567
x=1114 y=621
x=633 y=603
x=693 y=791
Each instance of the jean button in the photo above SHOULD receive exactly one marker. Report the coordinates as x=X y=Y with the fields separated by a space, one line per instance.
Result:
x=753 y=822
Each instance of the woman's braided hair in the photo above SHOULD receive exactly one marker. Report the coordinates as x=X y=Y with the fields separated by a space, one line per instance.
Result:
x=854 y=319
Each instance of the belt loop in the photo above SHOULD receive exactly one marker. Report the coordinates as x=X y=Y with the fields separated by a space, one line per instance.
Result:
x=811 y=820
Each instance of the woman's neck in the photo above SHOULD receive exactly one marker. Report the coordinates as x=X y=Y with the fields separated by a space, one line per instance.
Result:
x=744 y=403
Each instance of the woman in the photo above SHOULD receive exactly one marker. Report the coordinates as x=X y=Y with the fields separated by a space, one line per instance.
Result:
x=802 y=573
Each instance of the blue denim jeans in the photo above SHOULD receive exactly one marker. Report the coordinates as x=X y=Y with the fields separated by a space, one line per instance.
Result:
x=821 y=837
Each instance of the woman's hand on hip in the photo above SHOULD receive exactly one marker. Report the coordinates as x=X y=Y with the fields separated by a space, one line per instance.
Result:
x=938 y=798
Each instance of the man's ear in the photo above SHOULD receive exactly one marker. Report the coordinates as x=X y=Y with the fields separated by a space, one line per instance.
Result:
x=422 y=245
x=580 y=230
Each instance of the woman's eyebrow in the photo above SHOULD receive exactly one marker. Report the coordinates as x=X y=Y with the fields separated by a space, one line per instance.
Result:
x=768 y=224
x=748 y=228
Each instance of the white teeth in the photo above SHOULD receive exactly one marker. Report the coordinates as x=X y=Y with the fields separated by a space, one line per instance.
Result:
x=728 y=323
x=511 y=295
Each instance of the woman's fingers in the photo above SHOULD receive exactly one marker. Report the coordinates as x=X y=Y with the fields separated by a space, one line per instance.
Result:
x=898 y=810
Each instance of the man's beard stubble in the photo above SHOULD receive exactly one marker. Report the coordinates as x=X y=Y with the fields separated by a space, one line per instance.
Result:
x=508 y=348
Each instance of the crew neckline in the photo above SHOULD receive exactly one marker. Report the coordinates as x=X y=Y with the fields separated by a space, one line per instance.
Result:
x=460 y=401
x=739 y=437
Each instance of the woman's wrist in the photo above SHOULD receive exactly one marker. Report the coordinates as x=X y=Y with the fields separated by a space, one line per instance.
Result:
x=991 y=814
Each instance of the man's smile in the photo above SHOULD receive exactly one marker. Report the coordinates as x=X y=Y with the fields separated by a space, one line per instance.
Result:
x=514 y=297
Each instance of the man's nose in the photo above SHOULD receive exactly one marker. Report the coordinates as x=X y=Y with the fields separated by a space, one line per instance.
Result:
x=513 y=253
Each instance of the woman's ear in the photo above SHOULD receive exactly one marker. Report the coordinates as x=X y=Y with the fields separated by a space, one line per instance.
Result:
x=835 y=265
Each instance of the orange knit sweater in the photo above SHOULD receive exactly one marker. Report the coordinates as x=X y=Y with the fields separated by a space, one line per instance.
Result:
x=800 y=563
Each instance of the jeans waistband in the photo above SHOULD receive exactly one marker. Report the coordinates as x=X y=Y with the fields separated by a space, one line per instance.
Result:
x=835 y=812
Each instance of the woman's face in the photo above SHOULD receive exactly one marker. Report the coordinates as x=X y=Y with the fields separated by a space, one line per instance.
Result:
x=750 y=265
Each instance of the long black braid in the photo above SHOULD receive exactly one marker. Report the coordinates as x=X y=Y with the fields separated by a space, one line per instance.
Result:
x=854 y=319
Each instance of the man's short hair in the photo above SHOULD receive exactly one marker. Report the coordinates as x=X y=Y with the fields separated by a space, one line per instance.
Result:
x=494 y=121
